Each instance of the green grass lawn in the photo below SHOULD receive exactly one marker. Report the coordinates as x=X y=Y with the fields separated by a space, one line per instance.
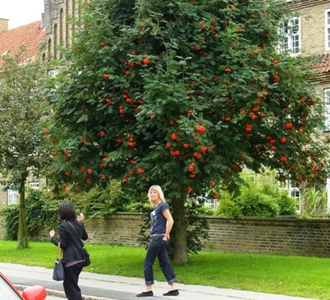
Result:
x=288 y=275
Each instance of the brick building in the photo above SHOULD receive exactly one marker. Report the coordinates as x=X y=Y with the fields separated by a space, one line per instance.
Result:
x=310 y=35
x=59 y=28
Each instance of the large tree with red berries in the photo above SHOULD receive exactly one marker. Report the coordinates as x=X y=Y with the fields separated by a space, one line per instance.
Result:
x=185 y=95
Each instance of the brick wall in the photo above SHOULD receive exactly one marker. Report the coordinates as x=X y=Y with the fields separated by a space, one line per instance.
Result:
x=119 y=229
x=289 y=236
x=269 y=236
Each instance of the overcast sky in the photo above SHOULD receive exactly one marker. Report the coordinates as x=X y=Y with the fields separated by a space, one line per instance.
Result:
x=21 y=12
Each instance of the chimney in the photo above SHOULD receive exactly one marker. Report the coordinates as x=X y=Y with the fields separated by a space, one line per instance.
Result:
x=3 y=24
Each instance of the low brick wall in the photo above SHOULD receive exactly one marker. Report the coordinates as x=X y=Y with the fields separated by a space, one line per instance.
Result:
x=119 y=229
x=287 y=236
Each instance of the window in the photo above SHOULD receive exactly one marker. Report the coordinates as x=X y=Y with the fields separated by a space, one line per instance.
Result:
x=290 y=29
x=12 y=197
x=211 y=203
x=327 y=109
x=327 y=29
x=293 y=191
x=34 y=185
x=208 y=202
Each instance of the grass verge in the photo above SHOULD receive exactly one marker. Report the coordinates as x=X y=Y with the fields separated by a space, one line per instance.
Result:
x=288 y=275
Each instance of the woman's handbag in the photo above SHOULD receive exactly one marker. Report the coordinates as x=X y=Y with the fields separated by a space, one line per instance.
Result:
x=86 y=256
x=58 y=272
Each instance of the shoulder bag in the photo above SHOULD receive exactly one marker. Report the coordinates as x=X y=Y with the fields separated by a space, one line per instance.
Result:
x=58 y=271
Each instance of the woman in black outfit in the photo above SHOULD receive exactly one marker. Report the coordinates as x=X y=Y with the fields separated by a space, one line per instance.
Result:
x=71 y=232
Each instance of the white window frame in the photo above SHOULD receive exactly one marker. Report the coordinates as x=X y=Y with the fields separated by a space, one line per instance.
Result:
x=293 y=191
x=12 y=197
x=210 y=203
x=34 y=185
x=327 y=109
x=291 y=38
x=327 y=29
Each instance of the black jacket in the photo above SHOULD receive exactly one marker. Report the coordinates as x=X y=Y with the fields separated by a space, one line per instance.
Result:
x=70 y=239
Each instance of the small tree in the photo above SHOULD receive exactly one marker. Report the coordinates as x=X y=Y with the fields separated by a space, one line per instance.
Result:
x=183 y=94
x=22 y=106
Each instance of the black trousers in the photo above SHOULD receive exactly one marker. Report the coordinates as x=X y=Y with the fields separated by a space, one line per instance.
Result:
x=70 y=283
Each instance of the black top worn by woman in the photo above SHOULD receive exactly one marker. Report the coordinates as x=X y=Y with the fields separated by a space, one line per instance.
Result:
x=71 y=249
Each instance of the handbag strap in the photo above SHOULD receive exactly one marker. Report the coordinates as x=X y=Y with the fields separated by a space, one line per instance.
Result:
x=59 y=251
x=76 y=236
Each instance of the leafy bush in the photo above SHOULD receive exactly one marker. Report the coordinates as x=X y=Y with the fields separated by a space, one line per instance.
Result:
x=255 y=203
x=11 y=220
x=286 y=203
x=41 y=212
x=102 y=201
x=229 y=208
x=258 y=195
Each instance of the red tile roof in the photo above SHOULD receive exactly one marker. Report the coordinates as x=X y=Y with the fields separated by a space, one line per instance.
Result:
x=28 y=35
x=324 y=64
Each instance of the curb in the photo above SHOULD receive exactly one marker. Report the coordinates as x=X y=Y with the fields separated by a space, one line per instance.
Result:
x=61 y=294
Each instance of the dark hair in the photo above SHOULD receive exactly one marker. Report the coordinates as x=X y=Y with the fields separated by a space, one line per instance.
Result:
x=67 y=210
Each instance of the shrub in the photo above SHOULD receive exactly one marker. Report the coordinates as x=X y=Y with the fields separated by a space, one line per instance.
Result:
x=11 y=220
x=259 y=195
x=229 y=208
x=102 y=201
x=253 y=202
x=286 y=204
x=41 y=212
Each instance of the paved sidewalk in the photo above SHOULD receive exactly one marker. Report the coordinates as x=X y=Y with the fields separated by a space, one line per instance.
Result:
x=108 y=287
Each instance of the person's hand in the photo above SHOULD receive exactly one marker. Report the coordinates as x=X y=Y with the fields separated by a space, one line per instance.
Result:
x=51 y=233
x=81 y=217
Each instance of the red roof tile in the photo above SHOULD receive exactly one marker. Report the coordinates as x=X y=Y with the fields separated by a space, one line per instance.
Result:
x=28 y=35
x=324 y=64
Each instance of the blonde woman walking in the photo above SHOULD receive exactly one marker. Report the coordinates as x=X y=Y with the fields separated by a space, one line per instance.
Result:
x=161 y=226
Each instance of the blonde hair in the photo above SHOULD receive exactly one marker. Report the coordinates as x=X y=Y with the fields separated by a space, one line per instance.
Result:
x=159 y=191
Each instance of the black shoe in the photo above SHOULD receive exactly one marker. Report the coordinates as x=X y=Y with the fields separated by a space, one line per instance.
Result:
x=145 y=294
x=172 y=293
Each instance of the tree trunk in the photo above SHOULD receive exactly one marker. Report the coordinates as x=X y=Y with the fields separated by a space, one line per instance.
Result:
x=179 y=231
x=22 y=227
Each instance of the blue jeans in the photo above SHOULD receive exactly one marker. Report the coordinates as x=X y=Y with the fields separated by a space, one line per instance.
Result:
x=157 y=248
